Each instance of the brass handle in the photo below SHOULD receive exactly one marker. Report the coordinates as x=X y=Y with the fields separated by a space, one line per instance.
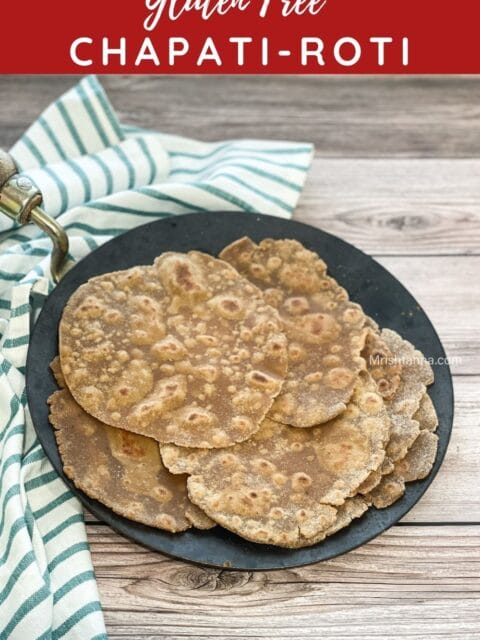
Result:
x=20 y=200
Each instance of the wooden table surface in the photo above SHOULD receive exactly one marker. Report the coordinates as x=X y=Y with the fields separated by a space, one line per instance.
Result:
x=397 y=173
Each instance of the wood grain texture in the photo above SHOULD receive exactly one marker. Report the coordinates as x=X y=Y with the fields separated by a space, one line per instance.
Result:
x=453 y=496
x=396 y=206
x=448 y=289
x=344 y=116
x=412 y=582
x=396 y=173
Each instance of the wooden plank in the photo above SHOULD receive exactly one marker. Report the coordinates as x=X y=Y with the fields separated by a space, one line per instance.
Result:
x=448 y=289
x=416 y=582
x=344 y=116
x=452 y=497
x=411 y=582
x=396 y=206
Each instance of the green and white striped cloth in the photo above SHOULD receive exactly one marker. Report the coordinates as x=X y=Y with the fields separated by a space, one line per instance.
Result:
x=99 y=179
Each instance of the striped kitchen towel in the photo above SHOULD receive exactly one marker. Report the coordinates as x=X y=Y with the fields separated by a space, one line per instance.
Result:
x=99 y=179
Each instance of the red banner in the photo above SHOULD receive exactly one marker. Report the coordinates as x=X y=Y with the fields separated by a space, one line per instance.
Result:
x=240 y=36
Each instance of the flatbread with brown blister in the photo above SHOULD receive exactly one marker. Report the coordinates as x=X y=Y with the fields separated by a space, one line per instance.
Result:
x=403 y=433
x=56 y=369
x=416 y=465
x=120 y=469
x=281 y=486
x=382 y=364
x=389 y=490
x=375 y=477
x=416 y=374
x=419 y=460
x=351 y=509
x=411 y=449
x=325 y=330
x=184 y=351
x=402 y=374
x=426 y=415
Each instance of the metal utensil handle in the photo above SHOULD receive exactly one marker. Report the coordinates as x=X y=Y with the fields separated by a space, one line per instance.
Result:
x=20 y=200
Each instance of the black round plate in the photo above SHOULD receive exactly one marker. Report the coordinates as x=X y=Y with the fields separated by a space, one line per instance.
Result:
x=368 y=283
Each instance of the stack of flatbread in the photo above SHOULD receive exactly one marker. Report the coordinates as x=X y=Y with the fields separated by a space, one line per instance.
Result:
x=245 y=391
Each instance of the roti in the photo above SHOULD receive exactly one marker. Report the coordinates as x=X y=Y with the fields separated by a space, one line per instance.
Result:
x=246 y=391
x=402 y=374
x=282 y=486
x=416 y=465
x=184 y=351
x=122 y=470
x=426 y=415
x=326 y=331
